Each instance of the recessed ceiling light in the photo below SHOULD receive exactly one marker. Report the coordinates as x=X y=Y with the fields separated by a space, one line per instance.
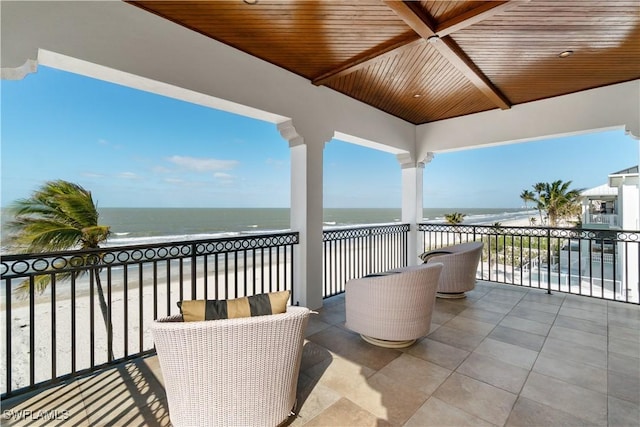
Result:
x=433 y=39
x=565 y=54
x=417 y=95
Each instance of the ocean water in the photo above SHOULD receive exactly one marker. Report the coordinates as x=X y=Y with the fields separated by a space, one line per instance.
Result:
x=130 y=226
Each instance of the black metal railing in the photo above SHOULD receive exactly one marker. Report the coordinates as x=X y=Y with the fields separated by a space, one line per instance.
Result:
x=593 y=262
x=98 y=304
x=355 y=252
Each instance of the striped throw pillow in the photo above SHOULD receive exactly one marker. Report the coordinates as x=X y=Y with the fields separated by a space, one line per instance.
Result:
x=256 y=305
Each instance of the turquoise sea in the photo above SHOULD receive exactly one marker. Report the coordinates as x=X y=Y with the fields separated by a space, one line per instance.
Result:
x=131 y=226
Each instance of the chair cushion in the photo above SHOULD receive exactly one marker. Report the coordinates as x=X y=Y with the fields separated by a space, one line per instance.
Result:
x=255 y=305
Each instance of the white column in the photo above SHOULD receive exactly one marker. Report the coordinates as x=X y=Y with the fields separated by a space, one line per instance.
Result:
x=412 y=184
x=306 y=213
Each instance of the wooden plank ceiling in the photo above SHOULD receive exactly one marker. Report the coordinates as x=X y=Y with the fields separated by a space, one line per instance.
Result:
x=430 y=60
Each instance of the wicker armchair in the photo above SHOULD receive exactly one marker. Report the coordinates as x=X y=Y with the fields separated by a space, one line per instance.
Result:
x=460 y=267
x=393 y=309
x=233 y=372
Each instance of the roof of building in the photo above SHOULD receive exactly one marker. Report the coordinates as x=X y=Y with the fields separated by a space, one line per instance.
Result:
x=632 y=169
x=601 y=190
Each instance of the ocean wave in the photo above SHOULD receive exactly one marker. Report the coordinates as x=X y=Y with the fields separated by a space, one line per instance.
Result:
x=148 y=240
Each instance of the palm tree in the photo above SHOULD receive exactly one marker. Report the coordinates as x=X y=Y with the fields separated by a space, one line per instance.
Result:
x=59 y=216
x=527 y=196
x=539 y=189
x=555 y=199
x=560 y=202
x=454 y=218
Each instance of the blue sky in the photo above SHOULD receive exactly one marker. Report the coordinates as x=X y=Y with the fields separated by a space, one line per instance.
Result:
x=135 y=149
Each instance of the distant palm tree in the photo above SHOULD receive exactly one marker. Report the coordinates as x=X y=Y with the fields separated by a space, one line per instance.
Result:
x=555 y=199
x=454 y=218
x=539 y=189
x=559 y=202
x=59 y=216
x=527 y=196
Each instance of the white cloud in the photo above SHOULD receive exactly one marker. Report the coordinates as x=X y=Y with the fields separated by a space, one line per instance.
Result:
x=222 y=175
x=174 y=180
x=202 y=164
x=92 y=175
x=128 y=175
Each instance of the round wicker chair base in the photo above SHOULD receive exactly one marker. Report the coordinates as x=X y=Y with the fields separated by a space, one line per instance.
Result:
x=451 y=295
x=387 y=343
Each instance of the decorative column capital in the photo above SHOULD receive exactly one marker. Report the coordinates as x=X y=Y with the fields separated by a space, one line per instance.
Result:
x=407 y=161
x=427 y=159
x=289 y=132
x=19 y=73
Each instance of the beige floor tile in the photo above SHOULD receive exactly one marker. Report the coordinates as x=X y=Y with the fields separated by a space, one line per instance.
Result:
x=452 y=307
x=526 y=325
x=457 y=338
x=482 y=315
x=581 y=325
x=155 y=414
x=315 y=325
x=345 y=413
x=519 y=338
x=543 y=297
x=312 y=354
x=594 y=316
x=387 y=399
x=625 y=387
x=495 y=372
x=535 y=315
x=441 y=354
x=623 y=413
x=528 y=413
x=61 y=405
x=623 y=364
x=416 y=373
x=341 y=375
x=351 y=346
x=621 y=346
x=114 y=394
x=572 y=372
x=477 y=398
x=586 y=339
x=473 y=326
x=578 y=401
x=509 y=353
x=436 y=413
x=312 y=399
x=628 y=334
x=496 y=307
x=540 y=306
x=441 y=317
x=560 y=349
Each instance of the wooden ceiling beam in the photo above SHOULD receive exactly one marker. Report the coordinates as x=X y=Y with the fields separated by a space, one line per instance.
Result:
x=368 y=57
x=449 y=49
x=473 y=16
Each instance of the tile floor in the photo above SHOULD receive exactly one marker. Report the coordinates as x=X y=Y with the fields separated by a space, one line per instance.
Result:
x=504 y=356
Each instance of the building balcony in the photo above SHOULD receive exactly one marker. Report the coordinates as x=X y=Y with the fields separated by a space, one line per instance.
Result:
x=610 y=220
x=505 y=355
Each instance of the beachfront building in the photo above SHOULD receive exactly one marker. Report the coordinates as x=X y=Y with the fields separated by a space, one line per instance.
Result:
x=615 y=204
x=407 y=78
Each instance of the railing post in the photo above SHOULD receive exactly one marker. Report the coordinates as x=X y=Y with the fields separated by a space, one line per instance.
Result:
x=549 y=261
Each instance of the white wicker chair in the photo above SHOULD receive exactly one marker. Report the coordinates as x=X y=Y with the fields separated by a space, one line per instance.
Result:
x=460 y=267
x=233 y=372
x=393 y=309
